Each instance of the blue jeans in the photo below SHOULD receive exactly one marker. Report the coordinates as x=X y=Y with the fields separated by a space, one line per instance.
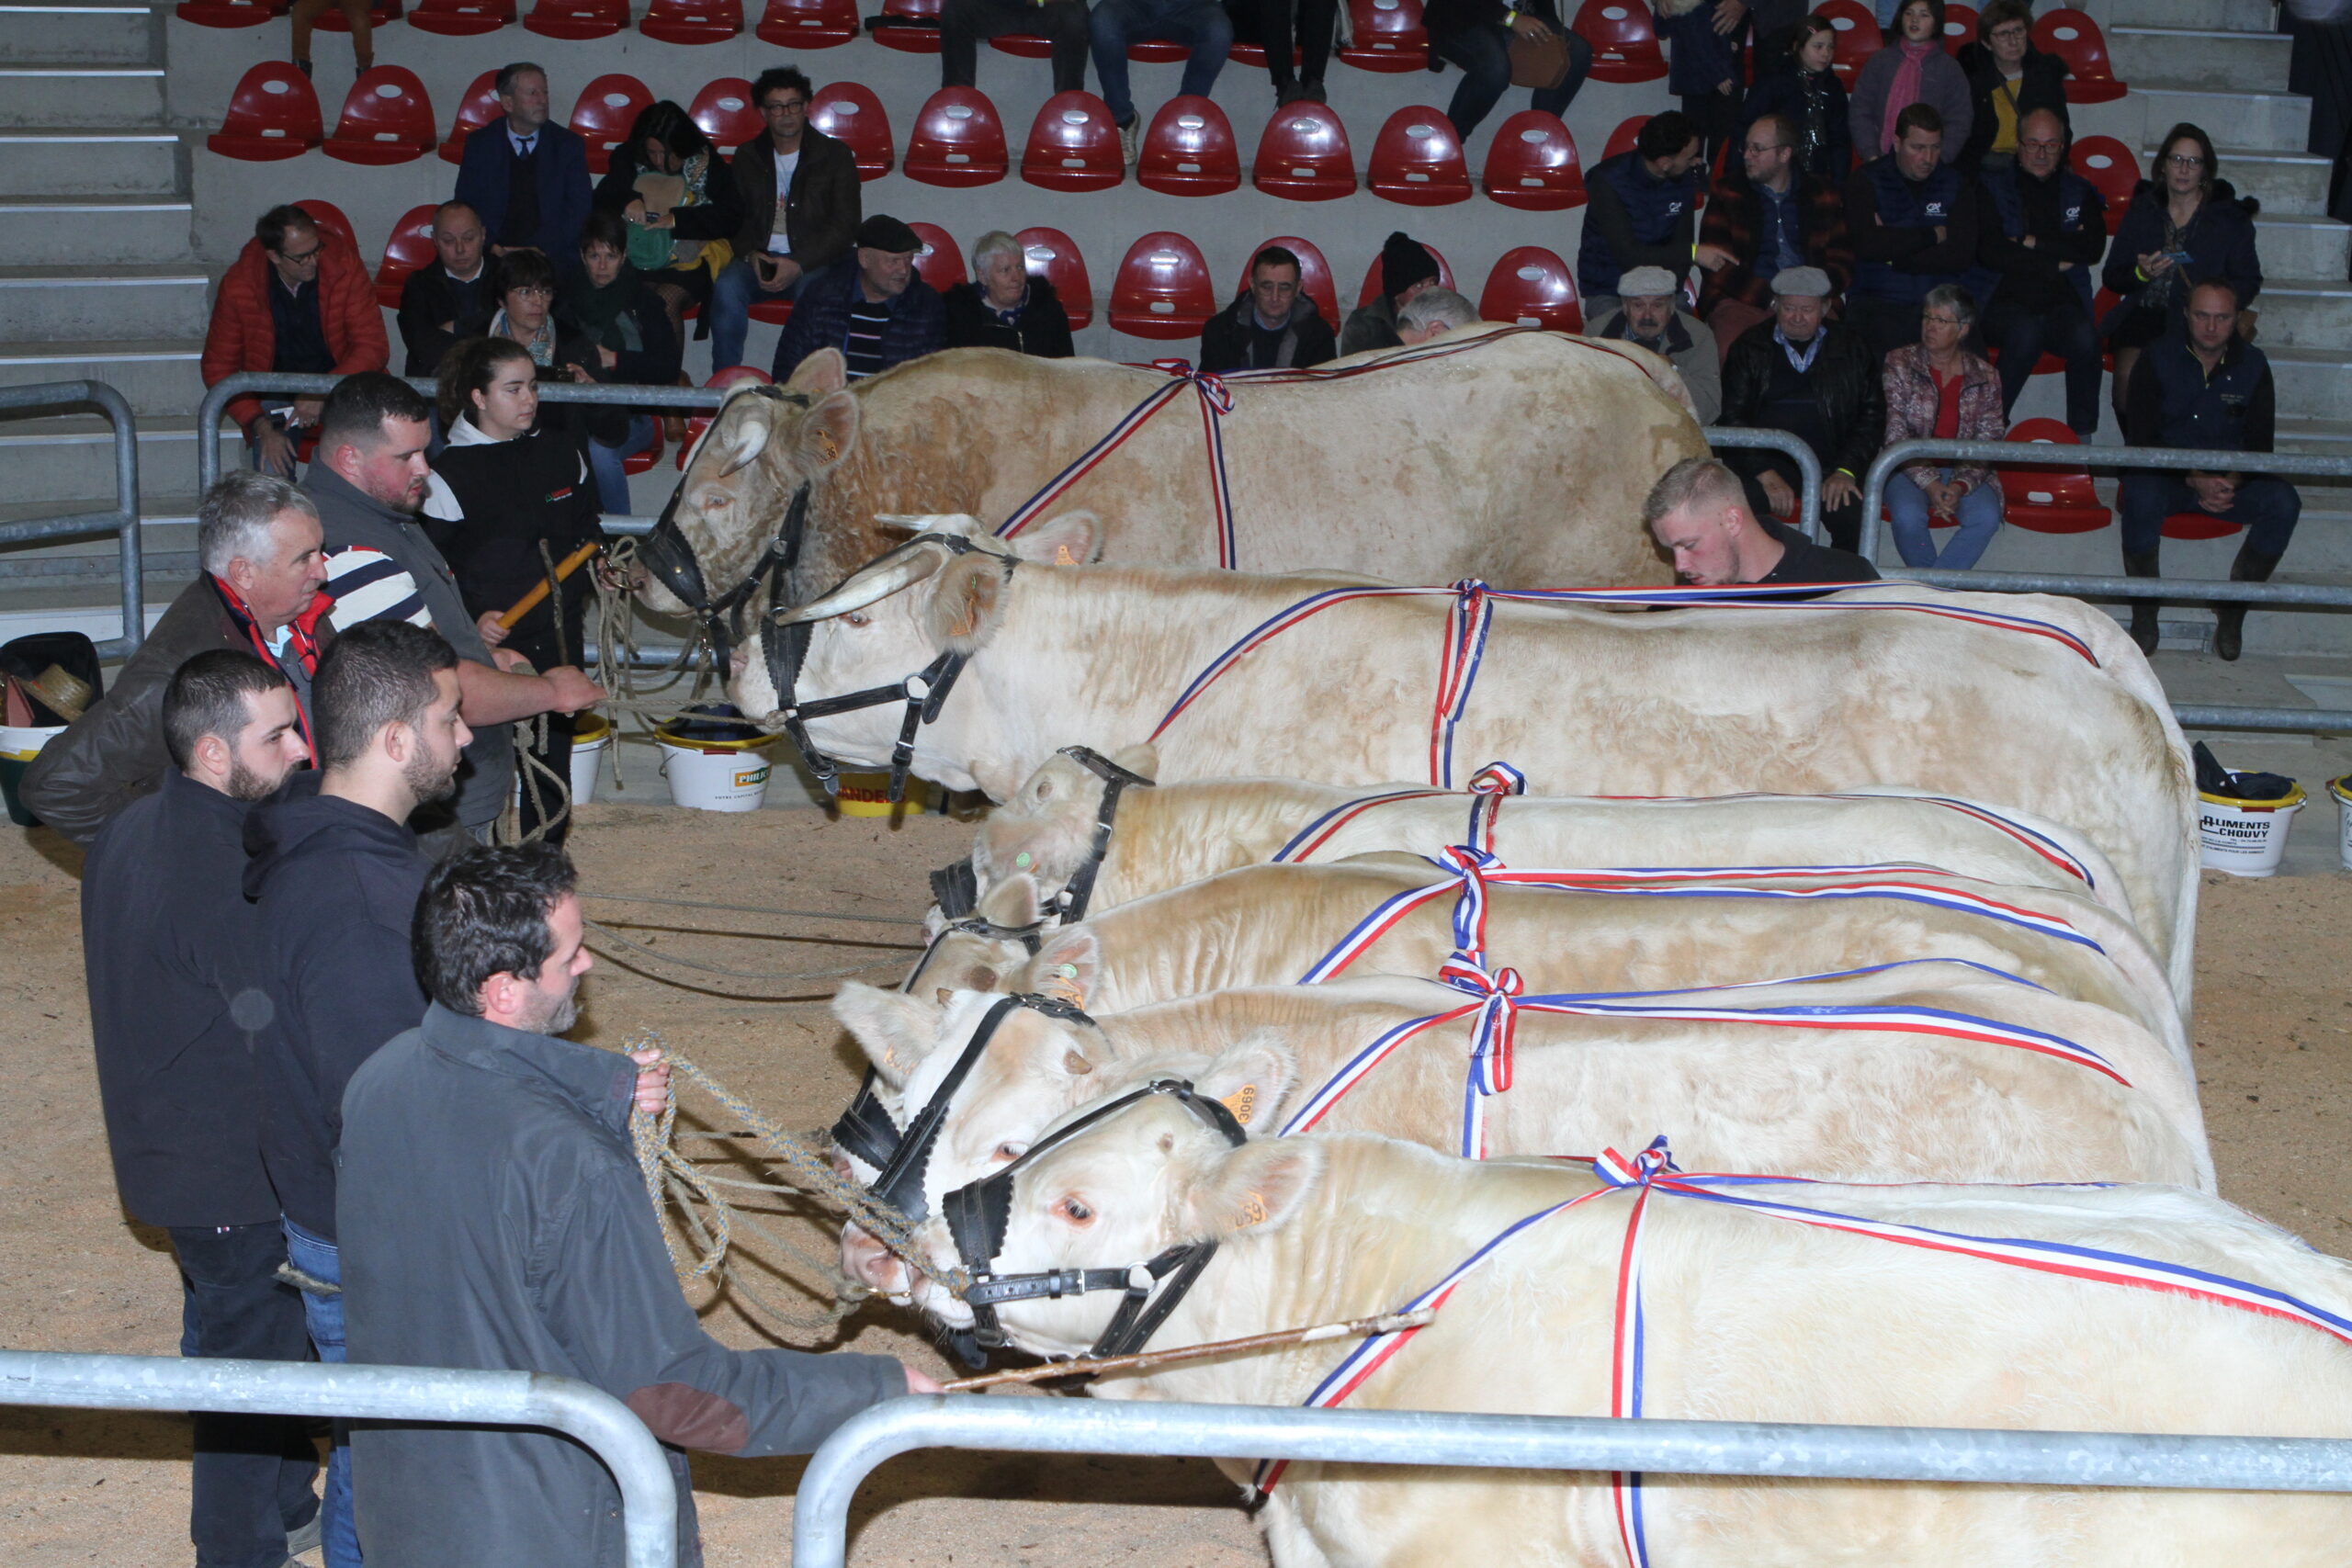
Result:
x=2269 y=508
x=1115 y=24
x=1979 y=519
x=1483 y=53
x=608 y=465
x=731 y=294
x=322 y=1315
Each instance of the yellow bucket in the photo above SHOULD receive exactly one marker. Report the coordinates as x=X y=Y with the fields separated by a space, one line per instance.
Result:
x=868 y=794
x=2245 y=837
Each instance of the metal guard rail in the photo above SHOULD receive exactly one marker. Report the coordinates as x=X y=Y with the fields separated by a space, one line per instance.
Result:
x=1808 y=465
x=591 y=1416
x=820 y=1512
x=122 y=522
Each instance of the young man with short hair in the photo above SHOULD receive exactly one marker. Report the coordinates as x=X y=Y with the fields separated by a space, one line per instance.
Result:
x=1271 y=324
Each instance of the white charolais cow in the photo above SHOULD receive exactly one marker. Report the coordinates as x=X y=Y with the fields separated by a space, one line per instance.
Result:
x=1747 y=1312
x=2014 y=700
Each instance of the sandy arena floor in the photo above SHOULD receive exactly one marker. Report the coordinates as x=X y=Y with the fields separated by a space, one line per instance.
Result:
x=2273 y=1032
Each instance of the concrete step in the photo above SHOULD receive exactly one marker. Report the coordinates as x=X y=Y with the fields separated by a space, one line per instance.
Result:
x=35 y=231
x=2232 y=16
x=52 y=461
x=2287 y=184
x=90 y=163
x=81 y=95
x=57 y=305
x=2273 y=121
x=2295 y=247
x=2311 y=381
x=157 y=376
x=2305 y=312
x=2199 y=57
x=94 y=35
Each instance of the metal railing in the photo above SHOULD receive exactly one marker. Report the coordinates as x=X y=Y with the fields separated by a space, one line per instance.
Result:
x=122 y=522
x=821 y=1511
x=596 y=1419
x=1720 y=436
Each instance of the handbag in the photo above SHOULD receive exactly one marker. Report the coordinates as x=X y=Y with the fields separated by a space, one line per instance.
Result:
x=1539 y=63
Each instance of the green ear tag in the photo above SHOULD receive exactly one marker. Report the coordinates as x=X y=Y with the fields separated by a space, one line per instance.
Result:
x=1021 y=861
x=1066 y=971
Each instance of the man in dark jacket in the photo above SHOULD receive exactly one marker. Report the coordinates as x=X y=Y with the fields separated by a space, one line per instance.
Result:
x=1699 y=514
x=2044 y=229
x=1800 y=373
x=1762 y=216
x=878 y=313
x=258 y=540
x=495 y=1219
x=1912 y=220
x=526 y=175
x=1642 y=211
x=1405 y=268
x=2208 y=388
x=783 y=242
x=1272 y=325
x=165 y=933
x=455 y=297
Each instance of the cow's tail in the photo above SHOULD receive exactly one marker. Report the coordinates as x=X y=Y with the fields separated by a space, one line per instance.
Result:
x=1657 y=367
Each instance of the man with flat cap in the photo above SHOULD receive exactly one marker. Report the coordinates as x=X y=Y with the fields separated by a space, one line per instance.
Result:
x=1801 y=373
x=873 y=307
x=1650 y=313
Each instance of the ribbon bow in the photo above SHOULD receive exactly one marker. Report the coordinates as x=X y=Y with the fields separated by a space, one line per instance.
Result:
x=1495 y=1029
x=1642 y=1169
x=1210 y=385
x=1497 y=778
x=1470 y=863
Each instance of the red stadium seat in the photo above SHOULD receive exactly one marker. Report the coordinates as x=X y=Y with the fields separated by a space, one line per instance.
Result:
x=1388 y=36
x=911 y=40
x=1858 y=36
x=1624 y=137
x=642 y=462
x=1533 y=165
x=958 y=141
x=1960 y=27
x=1189 y=150
x=462 y=18
x=1053 y=254
x=735 y=376
x=225 y=13
x=1314 y=278
x=1162 y=289
x=2109 y=166
x=577 y=19
x=725 y=112
x=1533 y=288
x=2197 y=525
x=409 y=247
x=1247 y=53
x=1159 y=51
x=1416 y=160
x=2050 y=501
x=1624 y=44
x=330 y=220
x=809 y=24
x=380 y=13
x=692 y=22
x=272 y=115
x=387 y=119
x=2103 y=301
x=1073 y=145
x=851 y=113
x=1371 y=289
x=478 y=108
x=607 y=108
x=1303 y=155
x=940 y=261
x=2075 y=39
x=1028 y=46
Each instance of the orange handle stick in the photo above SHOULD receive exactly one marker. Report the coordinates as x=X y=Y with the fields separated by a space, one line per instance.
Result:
x=530 y=601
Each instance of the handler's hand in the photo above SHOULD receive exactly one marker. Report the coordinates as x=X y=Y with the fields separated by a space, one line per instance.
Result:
x=1838 y=489
x=918 y=1384
x=570 y=691
x=493 y=630
x=652 y=1095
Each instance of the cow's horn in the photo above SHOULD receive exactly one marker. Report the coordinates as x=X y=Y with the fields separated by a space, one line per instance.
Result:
x=902 y=568
x=751 y=435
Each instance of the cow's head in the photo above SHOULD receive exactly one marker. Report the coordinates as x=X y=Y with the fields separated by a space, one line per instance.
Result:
x=983 y=951
x=1046 y=829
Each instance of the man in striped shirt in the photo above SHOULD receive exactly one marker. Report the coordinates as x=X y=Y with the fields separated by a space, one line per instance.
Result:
x=874 y=308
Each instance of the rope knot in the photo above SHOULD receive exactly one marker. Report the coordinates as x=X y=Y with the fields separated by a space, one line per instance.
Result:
x=1470 y=864
x=1643 y=1169
x=1210 y=385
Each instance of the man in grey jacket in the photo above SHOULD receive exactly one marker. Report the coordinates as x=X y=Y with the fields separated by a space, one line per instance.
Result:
x=1651 y=315
x=492 y=1216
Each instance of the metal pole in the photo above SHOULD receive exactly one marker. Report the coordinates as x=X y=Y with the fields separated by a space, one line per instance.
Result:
x=2314 y=595
x=598 y=1421
x=122 y=522
x=821 y=1511
x=1808 y=465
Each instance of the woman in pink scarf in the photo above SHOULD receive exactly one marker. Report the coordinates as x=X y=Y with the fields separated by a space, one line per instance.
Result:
x=1912 y=69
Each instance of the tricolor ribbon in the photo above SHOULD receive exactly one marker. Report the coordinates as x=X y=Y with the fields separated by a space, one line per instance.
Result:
x=1494 y=1032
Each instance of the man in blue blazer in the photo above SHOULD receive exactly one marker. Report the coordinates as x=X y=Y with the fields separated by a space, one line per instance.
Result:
x=525 y=177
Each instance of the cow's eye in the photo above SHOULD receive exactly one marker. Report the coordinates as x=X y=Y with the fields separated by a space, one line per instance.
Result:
x=858 y=618
x=1073 y=1210
x=1010 y=1151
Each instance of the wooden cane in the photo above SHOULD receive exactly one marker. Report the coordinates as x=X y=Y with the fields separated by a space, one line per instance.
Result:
x=538 y=591
x=1358 y=1329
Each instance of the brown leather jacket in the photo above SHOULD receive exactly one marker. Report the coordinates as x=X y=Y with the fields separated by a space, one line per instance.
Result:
x=823 y=207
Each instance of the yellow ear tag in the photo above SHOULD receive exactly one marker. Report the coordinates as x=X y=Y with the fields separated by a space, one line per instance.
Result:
x=1242 y=1102
x=827 y=447
x=1063 y=983
x=1062 y=555
x=1253 y=1211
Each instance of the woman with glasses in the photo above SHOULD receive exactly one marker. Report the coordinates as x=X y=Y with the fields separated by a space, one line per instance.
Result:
x=2009 y=79
x=1935 y=390
x=2185 y=227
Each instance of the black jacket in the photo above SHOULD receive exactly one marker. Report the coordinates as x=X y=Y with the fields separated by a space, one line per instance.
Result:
x=1802 y=561
x=515 y=495
x=1844 y=378
x=427 y=300
x=822 y=210
x=165 y=929
x=2220 y=239
x=2042 y=87
x=1225 y=337
x=653 y=362
x=2173 y=402
x=336 y=885
x=492 y=1217
x=1040 y=328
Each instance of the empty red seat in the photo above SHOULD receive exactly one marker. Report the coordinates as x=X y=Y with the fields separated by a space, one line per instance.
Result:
x=1371 y=289
x=1859 y=36
x=734 y=376
x=1388 y=36
x=692 y=22
x=477 y=109
x=915 y=39
x=1074 y=145
x=225 y=13
x=1314 y=278
x=1623 y=138
x=957 y=140
x=2110 y=167
x=809 y=24
x=462 y=18
x=607 y=108
x=1028 y=46
x=1162 y=289
x=940 y=261
x=1189 y=150
x=1416 y=160
x=272 y=115
x=851 y=113
x=1624 y=44
x=387 y=119
x=1159 y=51
x=380 y=13
x=1533 y=165
x=330 y=220
x=1303 y=155
x=1960 y=26
x=2050 y=501
x=1533 y=288
x=725 y=112
x=1053 y=254
x=577 y=19
x=2075 y=39
x=410 y=248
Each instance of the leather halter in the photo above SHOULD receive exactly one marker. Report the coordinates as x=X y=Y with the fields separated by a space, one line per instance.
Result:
x=1072 y=901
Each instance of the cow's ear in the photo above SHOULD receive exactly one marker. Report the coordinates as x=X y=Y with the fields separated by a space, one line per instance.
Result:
x=895 y=1030
x=820 y=375
x=961 y=611
x=1141 y=760
x=1067 y=966
x=1074 y=538
x=1011 y=902
x=826 y=434
x=1251 y=1078
x=1257 y=1187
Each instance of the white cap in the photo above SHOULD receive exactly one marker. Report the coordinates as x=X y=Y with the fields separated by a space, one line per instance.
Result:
x=1801 y=282
x=1644 y=281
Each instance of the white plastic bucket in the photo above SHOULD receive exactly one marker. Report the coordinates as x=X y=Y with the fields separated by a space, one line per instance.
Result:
x=2342 y=789
x=715 y=774
x=588 y=743
x=20 y=744
x=2245 y=837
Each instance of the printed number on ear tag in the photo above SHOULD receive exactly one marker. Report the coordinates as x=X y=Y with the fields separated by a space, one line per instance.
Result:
x=1242 y=1102
x=1253 y=1211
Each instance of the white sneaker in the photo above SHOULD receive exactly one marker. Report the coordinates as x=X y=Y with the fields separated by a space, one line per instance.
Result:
x=1131 y=140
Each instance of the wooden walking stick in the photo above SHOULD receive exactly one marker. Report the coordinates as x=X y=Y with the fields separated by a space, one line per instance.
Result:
x=1355 y=1328
x=538 y=591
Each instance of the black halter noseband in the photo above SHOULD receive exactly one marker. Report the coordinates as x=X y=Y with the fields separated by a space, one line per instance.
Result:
x=1070 y=903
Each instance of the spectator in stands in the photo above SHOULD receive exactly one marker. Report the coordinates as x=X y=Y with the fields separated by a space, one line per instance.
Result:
x=1642 y=211
x=1806 y=93
x=623 y=322
x=166 y=938
x=879 y=312
x=2008 y=80
x=1476 y=36
x=1433 y=312
x=1200 y=25
x=1937 y=390
x=2186 y=226
x=1765 y=214
x=682 y=205
x=798 y=192
x=1405 y=268
x=1004 y=307
x=562 y=352
x=964 y=23
x=1816 y=380
x=1912 y=69
x=496 y=1219
x=369 y=482
x=1700 y=513
x=2210 y=388
x=305 y=14
x=1651 y=314
x=525 y=175
x=298 y=301
x=1304 y=26
x=257 y=544
x=1704 y=39
x=1271 y=325
x=452 y=299
x=2042 y=229
x=1913 y=219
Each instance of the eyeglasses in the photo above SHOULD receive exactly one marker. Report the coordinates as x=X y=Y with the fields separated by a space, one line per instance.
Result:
x=533 y=291
x=2009 y=34
x=1930 y=316
x=2184 y=161
x=2042 y=146
x=791 y=105
x=297 y=259
x=1772 y=147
